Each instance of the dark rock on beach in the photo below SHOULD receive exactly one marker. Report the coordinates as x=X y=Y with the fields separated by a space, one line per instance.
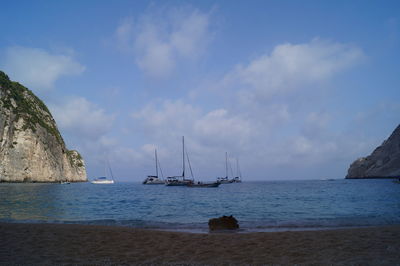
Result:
x=384 y=161
x=223 y=223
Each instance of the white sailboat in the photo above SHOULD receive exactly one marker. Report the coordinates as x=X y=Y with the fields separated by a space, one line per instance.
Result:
x=179 y=180
x=238 y=177
x=154 y=179
x=225 y=180
x=103 y=179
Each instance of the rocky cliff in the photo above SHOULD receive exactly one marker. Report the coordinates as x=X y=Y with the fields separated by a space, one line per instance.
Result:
x=384 y=161
x=31 y=147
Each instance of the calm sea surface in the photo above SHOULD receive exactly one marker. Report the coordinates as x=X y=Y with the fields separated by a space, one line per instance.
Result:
x=259 y=206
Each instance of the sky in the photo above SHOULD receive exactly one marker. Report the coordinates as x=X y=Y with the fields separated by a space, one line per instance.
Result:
x=292 y=89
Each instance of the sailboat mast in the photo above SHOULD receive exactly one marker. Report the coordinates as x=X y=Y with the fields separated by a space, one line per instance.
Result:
x=109 y=167
x=105 y=167
x=155 y=153
x=226 y=164
x=237 y=167
x=183 y=156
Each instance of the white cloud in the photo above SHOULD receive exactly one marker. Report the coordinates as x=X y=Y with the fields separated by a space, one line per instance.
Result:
x=218 y=126
x=37 y=68
x=176 y=118
x=208 y=135
x=124 y=33
x=86 y=128
x=159 y=41
x=190 y=34
x=82 y=118
x=276 y=135
x=168 y=118
x=156 y=58
x=292 y=66
x=269 y=141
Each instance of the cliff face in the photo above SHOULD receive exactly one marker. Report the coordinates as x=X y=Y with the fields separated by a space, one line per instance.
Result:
x=384 y=161
x=31 y=147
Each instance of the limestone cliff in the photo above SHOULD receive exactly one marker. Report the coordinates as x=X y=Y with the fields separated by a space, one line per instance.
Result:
x=384 y=161
x=31 y=147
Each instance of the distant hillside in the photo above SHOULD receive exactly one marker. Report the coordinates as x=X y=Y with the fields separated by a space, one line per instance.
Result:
x=384 y=161
x=31 y=147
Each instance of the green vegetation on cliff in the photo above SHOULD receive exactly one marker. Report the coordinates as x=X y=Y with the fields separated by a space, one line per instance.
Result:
x=24 y=104
x=75 y=158
x=27 y=106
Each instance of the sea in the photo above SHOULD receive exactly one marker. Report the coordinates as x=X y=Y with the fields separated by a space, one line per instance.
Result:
x=258 y=206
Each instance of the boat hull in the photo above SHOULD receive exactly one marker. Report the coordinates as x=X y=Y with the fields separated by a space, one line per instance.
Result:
x=225 y=181
x=153 y=180
x=177 y=181
x=154 y=183
x=178 y=184
x=102 y=182
x=204 y=185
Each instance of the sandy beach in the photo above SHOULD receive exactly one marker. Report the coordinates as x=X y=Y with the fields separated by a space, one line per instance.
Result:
x=55 y=244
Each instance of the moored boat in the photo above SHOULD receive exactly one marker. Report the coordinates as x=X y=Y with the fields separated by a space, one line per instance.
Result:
x=225 y=180
x=179 y=180
x=154 y=179
x=238 y=177
x=103 y=179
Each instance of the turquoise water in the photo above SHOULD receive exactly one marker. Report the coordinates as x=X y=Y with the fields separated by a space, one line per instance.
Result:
x=258 y=206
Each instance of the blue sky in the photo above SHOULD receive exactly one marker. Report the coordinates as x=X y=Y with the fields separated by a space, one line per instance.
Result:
x=294 y=89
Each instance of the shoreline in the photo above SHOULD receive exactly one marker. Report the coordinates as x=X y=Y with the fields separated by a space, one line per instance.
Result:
x=196 y=228
x=42 y=182
x=46 y=244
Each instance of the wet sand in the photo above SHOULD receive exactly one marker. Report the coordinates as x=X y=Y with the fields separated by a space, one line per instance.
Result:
x=60 y=244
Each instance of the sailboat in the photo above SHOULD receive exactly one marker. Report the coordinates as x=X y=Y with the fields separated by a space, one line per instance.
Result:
x=200 y=184
x=103 y=179
x=179 y=180
x=225 y=180
x=154 y=179
x=238 y=177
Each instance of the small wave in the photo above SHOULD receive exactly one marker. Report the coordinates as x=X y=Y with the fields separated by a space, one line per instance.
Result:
x=315 y=224
x=246 y=226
